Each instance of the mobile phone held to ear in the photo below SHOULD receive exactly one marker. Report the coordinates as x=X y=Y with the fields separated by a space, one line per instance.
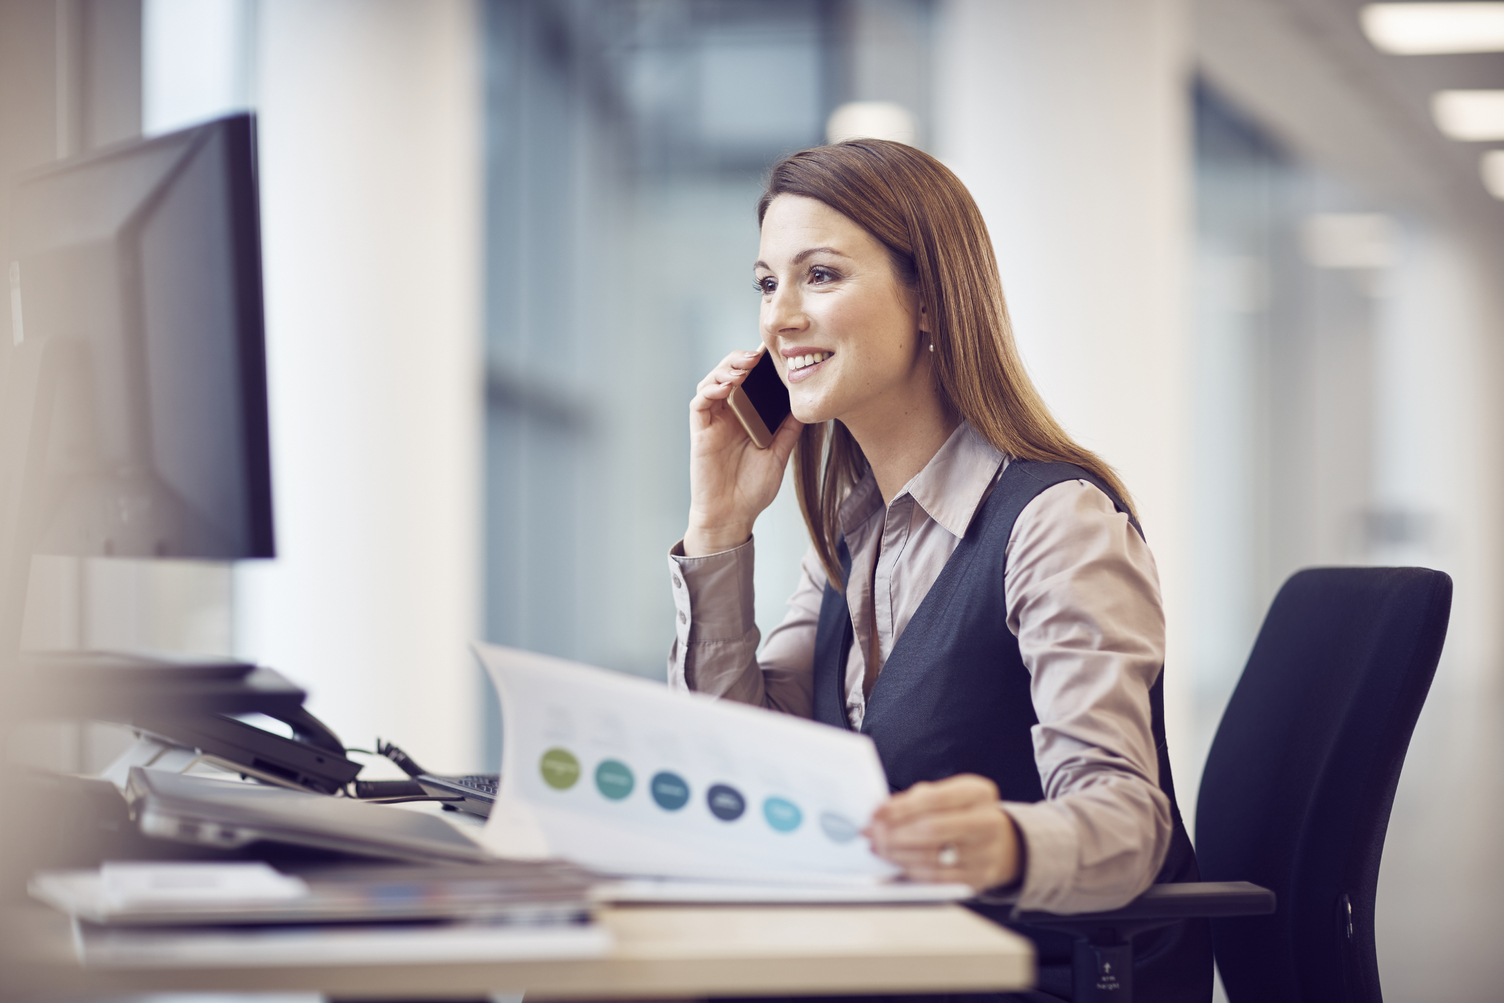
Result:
x=761 y=402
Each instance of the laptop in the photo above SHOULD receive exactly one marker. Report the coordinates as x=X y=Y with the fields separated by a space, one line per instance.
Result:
x=476 y=793
x=231 y=814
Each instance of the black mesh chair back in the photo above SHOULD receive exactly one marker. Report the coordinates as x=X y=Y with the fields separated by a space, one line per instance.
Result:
x=1301 y=776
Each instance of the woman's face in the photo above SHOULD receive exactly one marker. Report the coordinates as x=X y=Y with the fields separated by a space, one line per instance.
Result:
x=829 y=292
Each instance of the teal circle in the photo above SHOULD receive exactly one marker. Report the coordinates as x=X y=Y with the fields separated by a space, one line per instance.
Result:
x=782 y=814
x=613 y=779
x=670 y=790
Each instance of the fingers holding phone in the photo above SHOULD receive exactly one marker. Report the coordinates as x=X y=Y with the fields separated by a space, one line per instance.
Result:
x=749 y=384
x=718 y=384
x=733 y=476
x=760 y=401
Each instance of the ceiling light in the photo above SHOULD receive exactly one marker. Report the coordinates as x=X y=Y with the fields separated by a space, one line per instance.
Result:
x=1415 y=29
x=1471 y=116
x=1492 y=168
x=1350 y=240
x=871 y=120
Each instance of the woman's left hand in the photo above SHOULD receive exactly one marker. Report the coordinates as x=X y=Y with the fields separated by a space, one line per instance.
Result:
x=948 y=831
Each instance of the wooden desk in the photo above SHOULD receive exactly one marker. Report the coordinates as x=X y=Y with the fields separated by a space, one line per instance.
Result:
x=661 y=952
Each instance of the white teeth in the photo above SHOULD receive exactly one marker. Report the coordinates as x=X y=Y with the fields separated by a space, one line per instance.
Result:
x=800 y=362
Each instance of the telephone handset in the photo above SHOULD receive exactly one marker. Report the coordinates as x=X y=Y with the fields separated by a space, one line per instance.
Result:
x=312 y=759
x=188 y=710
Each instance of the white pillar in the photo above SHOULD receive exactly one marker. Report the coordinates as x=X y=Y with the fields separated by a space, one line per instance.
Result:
x=1070 y=123
x=370 y=184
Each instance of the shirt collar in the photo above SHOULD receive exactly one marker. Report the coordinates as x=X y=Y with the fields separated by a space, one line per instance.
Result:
x=949 y=488
x=954 y=482
x=863 y=502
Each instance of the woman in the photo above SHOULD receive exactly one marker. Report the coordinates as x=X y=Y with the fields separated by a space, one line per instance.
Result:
x=977 y=595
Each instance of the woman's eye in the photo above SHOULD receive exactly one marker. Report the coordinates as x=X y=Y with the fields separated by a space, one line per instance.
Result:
x=820 y=274
x=766 y=286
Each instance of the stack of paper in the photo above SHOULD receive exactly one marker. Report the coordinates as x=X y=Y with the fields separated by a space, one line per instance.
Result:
x=237 y=913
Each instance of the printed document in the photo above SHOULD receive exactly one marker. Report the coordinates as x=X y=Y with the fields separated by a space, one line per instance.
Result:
x=628 y=777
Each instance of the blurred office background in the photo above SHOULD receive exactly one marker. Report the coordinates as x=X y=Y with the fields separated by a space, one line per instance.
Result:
x=1250 y=258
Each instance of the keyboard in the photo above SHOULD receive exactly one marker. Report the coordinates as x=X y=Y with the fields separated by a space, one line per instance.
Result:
x=477 y=791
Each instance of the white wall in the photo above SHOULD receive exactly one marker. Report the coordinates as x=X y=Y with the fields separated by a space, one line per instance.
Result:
x=1069 y=122
x=197 y=61
x=1437 y=439
x=370 y=186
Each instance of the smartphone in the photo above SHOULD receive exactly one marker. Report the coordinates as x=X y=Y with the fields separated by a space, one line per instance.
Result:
x=761 y=402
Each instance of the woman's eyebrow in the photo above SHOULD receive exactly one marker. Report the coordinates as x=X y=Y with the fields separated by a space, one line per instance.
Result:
x=818 y=250
x=804 y=254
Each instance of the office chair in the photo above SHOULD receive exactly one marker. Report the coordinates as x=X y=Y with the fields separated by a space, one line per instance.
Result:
x=1295 y=798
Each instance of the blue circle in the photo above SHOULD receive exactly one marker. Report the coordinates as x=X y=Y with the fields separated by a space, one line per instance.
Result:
x=782 y=814
x=670 y=790
x=726 y=803
x=613 y=779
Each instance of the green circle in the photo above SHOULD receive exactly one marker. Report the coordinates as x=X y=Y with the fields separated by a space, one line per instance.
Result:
x=614 y=779
x=559 y=768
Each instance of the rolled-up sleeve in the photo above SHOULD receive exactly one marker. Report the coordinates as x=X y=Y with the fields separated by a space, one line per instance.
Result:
x=1083 y=598
x=715 y=647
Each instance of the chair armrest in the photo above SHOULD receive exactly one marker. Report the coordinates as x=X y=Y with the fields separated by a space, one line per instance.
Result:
x=1102 y=957
x=1164 y=904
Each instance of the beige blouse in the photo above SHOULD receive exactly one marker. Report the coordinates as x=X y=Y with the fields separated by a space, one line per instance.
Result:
x=1083 y=599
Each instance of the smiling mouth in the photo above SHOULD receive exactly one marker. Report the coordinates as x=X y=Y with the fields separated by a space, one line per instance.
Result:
x=799 y=362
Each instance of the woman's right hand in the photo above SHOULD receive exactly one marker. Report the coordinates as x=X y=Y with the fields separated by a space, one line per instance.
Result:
x=730 y=480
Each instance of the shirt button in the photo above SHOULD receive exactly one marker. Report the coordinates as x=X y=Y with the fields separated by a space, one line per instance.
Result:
x=677 y=583
x=681 y=616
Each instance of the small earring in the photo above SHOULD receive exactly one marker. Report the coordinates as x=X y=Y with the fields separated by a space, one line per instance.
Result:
x=932 y=344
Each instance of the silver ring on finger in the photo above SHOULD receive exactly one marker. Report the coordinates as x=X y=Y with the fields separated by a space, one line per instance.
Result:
x=948 y=856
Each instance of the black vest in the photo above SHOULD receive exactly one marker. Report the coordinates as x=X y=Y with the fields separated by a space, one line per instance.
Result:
x=953 y=697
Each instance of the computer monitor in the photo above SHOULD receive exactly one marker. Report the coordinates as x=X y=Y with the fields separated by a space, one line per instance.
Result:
x=136 y=273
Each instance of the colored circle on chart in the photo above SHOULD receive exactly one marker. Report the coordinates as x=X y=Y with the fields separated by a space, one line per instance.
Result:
x=614 y=779
x=838 y=828
x=782 y=814
x=726 y=803
x=559 y=768
x=669 y=790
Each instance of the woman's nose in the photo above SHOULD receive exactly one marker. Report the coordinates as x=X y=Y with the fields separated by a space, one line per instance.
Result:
x=784 y=312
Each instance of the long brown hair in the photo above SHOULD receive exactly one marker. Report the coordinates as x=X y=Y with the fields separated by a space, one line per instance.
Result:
x=935 y=235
